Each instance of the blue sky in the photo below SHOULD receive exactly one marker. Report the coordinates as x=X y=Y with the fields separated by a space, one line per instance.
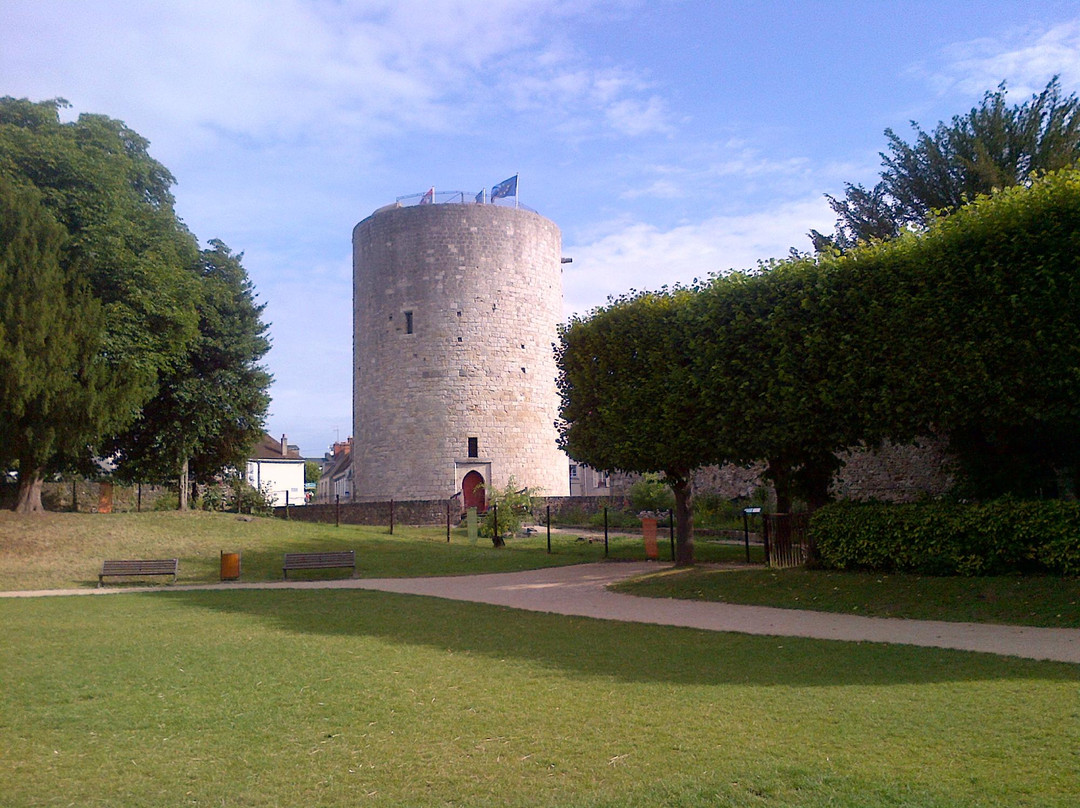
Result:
x=669 y=140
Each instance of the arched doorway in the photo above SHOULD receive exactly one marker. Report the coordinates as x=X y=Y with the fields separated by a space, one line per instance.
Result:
x=472 y=491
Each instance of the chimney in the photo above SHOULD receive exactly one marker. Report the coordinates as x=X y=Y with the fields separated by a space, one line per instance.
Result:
x=284 y=447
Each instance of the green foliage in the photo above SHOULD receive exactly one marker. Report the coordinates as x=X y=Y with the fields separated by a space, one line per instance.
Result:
x=950 y=539
x=98 y=179
x=311 y=471
x=180 y=331
x=57 y=392
x=630 y=401
x=167 y=502
x=717 y=513
x=617 y=519
x=512 y=506
x=650 y=493
x=211 y=406
x=246 y=498
x=994 y=146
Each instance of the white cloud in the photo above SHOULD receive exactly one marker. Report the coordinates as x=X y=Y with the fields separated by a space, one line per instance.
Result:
x=271 y=70
x=636 y=255
x=1025 y=60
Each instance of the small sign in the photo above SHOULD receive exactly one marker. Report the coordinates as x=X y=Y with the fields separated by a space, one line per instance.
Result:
x=751 y=510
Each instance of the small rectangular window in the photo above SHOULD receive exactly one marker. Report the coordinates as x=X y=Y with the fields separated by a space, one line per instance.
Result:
x=474 y=447
x=408 y=322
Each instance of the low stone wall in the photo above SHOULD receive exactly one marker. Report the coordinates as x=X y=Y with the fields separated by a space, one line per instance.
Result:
x=86 y=496
x=406 y=512
x=433 y=512
x=891 y=473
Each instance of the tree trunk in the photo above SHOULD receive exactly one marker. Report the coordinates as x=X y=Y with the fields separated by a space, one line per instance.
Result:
x=682 y=487
x=29 y=499
x=183 y=485
x=780 y=474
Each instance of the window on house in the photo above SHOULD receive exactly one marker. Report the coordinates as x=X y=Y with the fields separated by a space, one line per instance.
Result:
x=408 y=322
x=474 y=447
x=573 y=472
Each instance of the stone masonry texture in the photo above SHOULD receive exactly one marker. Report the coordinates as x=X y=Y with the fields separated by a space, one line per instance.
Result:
x=455 y=311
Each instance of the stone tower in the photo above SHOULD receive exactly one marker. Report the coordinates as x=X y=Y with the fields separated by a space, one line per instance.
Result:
x=455 y=310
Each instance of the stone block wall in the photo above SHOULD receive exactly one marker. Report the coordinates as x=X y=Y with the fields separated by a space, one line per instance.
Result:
x=456 y=309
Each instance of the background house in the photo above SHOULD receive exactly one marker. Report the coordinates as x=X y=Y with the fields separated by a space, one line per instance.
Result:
x=337 y=475
x=277 y=468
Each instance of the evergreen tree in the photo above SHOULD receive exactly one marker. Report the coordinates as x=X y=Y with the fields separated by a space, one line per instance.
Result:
x=57 y=394
x=992 y=147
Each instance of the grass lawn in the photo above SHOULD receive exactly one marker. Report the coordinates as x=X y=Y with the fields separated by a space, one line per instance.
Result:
x=344 y=698
x=1013 y=599
x=65 y=550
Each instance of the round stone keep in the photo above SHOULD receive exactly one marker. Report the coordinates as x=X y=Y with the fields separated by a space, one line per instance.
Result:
x=455 y=311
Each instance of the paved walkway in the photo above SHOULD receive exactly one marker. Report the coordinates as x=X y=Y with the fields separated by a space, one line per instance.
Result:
x=582 y=590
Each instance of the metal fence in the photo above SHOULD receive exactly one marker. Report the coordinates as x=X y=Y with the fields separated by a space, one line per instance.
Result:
x=787 y=541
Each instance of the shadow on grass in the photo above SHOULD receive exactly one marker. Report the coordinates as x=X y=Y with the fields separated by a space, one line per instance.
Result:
x=625 y=651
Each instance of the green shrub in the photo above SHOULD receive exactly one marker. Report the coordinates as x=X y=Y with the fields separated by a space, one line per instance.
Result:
x=512 y=506
x=650 y=493
x=615 y=519
x=168 y=501
x=950 y=539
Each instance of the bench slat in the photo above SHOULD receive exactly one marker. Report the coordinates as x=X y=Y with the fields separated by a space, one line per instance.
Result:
x=132 y=566
x=318 y=561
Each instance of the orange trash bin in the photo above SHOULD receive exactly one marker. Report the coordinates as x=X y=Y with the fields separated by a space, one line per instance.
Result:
x=230 y=566
x=648 y=528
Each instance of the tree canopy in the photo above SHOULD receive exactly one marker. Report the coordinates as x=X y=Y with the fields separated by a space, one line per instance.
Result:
x=970 y=329
x=629 y=399
x=991 y=147
x=57 y=392
x=178 y=325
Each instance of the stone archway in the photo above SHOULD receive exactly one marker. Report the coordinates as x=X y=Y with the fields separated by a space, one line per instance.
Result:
x=473 y=492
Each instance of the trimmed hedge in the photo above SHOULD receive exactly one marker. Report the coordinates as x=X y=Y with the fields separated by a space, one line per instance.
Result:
x=950 y=539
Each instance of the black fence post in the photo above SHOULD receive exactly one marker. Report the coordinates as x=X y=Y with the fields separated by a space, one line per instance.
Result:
x=391 y=517
x=549 y=528
x=671 y=532
x=337 y=510
x=286 y=505
x=605 y=533
x=447 y=521
x=495 y=520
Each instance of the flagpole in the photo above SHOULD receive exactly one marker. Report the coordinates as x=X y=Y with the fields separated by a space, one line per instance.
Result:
x=517 y=188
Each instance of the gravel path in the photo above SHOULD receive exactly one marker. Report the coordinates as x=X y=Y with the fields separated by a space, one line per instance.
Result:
x=582 y=590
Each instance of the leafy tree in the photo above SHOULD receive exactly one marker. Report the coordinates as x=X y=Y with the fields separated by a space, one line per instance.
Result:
x=57 y=393
x=97 y=177
x=993 y=146
x=180 y=323
x=629 y=401
x=970 y=329
x=776 y=382
x=312 y=472
x=211 y=406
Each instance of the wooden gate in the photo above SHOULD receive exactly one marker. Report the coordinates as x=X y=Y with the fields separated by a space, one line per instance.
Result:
x=786 y=541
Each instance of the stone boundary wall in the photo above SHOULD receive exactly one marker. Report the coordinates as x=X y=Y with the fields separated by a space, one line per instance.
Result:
x=406 y=512
x=430 y=512
x=891 y=473
x=86 y=496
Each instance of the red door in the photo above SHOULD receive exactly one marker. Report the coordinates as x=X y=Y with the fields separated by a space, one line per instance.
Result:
x=472 y=491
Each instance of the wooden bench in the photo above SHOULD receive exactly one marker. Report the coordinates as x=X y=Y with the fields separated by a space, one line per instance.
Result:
x=319 y=561
x=158 y=566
